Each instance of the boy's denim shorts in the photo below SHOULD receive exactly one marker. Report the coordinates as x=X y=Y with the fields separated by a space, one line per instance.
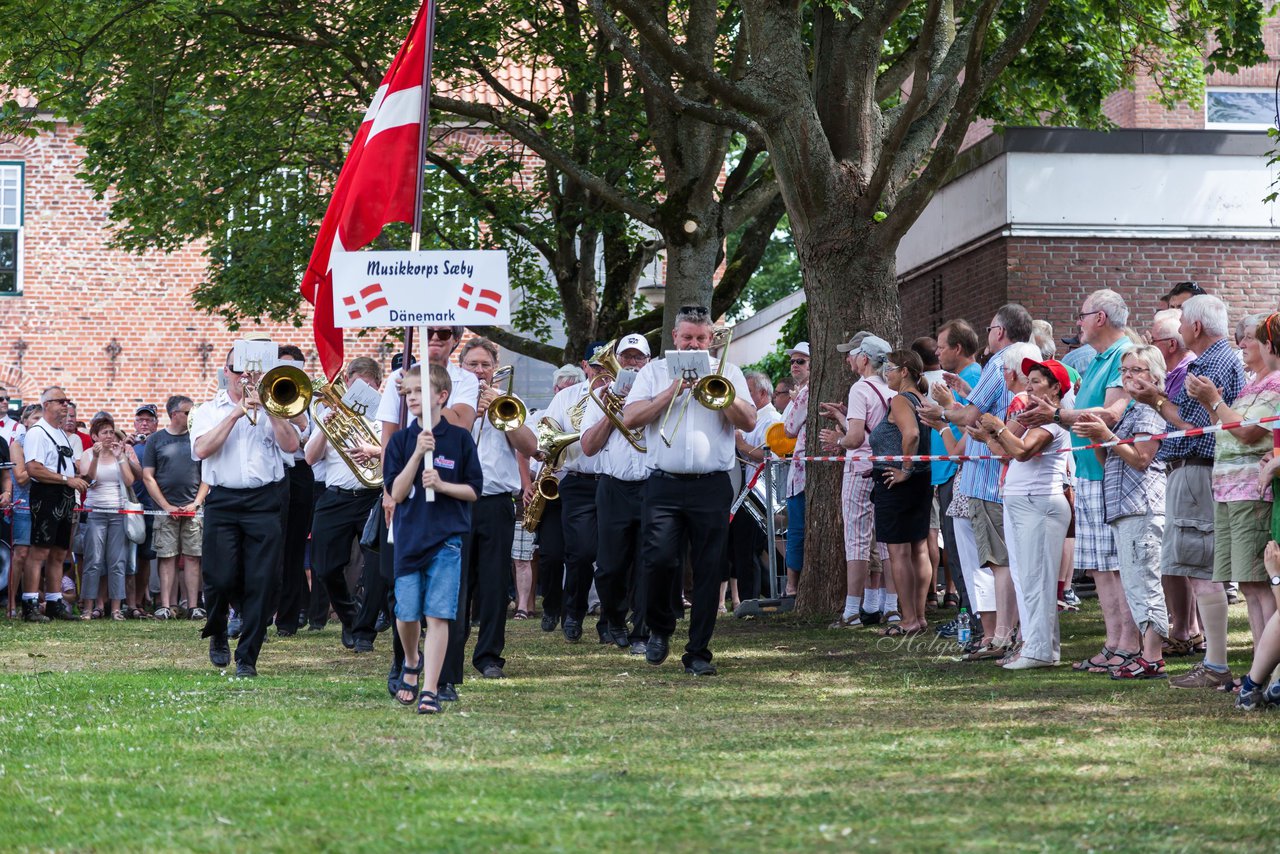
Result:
x=432 y=592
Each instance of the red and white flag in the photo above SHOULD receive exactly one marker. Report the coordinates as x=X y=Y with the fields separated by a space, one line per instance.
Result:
x=374 y=188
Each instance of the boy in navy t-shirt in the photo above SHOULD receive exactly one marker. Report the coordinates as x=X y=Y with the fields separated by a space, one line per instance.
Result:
x=428 y=535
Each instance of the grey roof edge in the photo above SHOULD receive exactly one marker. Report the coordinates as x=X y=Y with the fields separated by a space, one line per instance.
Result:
x=1039 y=140
x=770 y=313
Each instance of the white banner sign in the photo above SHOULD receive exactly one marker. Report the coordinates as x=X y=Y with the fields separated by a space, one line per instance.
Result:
x=465 y=288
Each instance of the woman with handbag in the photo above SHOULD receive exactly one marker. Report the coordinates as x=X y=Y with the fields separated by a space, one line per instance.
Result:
x=106 y=542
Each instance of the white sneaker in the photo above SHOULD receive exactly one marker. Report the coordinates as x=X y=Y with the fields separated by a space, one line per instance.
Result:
x=1024 y=663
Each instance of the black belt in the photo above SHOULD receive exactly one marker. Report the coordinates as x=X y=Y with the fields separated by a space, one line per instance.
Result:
x=671 y=475
x=583 y=476
x=351 y=493
x=1173 y=465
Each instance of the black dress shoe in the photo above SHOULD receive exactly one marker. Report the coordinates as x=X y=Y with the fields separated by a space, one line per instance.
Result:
x=619 y=638
x=59 y=610
x=348 y=639
x=698 y=667
x=493 y=671
x=286 y=633
x=315 y=627
x=363 y=645
x=549 y=621
x=383 y=623
x=638 y=648
x=219 y=651
x=246 y=671
x=656 y=650
x=572 y=630
x=446 y=693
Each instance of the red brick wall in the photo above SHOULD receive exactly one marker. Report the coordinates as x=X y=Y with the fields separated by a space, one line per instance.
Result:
x=1052 y=277
x=971 y=286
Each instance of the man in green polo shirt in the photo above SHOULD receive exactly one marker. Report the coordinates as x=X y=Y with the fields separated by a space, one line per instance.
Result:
x=1101 y=322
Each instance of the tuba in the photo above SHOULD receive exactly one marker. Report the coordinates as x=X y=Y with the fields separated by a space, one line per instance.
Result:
x=610 y=403
x=347 y=430
x=552 y=442
x=507 y=412
x=713 y=391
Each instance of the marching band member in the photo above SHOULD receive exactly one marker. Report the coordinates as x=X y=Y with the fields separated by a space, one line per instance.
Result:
x=341 y=514
x=292 y=595
x=688 y=493
x=577 y=501
x=243 y=464
x=550 y=531
x=619 y=495
x=486 y=571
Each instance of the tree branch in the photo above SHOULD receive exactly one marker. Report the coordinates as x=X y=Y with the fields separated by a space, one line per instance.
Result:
x=515 y=342
x=737 y=177
x=655 y=35
x=605 y=190
x=746 y=258
x=891 y=79
x=464 y=181
x=758 y=196
x=654 y=83
x=533 y=108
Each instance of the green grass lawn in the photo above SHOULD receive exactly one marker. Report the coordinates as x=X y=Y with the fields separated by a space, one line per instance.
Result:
x=122 y=737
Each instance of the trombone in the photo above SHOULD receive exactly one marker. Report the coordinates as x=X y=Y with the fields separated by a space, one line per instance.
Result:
x=284 y=391
x=611 y=404
x=506 y=412
x=712 y=391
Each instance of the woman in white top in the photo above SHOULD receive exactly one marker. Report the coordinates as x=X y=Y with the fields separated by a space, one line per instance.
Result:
x=1036 y=514
x=106 y=548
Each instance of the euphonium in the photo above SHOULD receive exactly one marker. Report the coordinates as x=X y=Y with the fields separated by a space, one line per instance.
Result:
x=610 y=403
x=552 y=442
x=285 y=391
x=507 y=412
x=713 y=391
x=347 y=431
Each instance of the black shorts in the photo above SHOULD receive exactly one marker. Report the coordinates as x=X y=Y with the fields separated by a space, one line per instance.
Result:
x=52 y=513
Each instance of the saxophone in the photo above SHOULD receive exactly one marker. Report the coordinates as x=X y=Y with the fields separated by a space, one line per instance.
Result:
x=552 y=441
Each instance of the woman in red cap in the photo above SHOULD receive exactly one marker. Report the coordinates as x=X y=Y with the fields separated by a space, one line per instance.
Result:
x=1036 y=514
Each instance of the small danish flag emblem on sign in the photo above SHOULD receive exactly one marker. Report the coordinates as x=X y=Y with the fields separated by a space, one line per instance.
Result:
x=486 y=302
x=370 y=298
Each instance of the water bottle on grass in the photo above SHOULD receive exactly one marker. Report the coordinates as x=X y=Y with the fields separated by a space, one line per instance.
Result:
x=962 y=627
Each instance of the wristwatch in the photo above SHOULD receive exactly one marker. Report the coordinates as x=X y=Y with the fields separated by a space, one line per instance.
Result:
x=64 y=479
x=1275 y=581
x=1057 y=416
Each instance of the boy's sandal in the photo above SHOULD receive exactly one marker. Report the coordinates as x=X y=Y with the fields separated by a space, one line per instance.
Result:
x=893 y=631
x=520 y=614
x=428 y=704
x=406 y=670
x=96 y=614
x=1086 y=665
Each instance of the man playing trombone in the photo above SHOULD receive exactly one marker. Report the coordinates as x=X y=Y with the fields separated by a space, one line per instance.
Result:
x=619 y=496
x=241 y=446
x=688 y=493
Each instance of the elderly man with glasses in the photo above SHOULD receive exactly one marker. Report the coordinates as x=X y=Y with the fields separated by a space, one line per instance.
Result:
x=51 y=457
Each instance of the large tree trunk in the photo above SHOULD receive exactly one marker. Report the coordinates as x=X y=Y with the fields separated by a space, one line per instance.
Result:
x=691 y=268
x=850 y=284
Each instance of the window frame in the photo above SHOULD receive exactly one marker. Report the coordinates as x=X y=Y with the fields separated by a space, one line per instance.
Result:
x=20 y=228
x=1237 y=126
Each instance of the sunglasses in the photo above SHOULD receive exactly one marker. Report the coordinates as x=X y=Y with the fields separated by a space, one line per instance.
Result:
x=63 y=401
x=232 y=370
x=440 y=334
x=700 y=310
x=799 y=361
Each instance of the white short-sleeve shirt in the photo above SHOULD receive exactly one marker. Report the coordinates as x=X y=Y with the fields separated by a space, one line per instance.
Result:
x=704 y=442
x=466 y=389
x=43 y=443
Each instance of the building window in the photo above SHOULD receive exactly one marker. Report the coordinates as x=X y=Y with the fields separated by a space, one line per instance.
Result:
x=1240 y=109
x=11 y=228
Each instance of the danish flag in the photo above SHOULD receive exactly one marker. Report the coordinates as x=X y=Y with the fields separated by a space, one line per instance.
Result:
x=487 y=302
x=371 y=297
x=374 y=187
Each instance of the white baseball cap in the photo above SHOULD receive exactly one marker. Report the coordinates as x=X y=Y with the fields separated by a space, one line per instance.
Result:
x=802 y=348
x=633 y=342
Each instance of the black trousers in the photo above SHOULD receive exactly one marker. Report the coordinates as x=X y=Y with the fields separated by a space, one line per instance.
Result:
x=242 y=547
x=487 y=568
x=619 y=506
x=339 y=521
x=379 y=581
x=945 y=491
x=551 y=557
x=294 y=594
x=578 y=500
x=318 y=605
x=685 y=515
x=742 y=556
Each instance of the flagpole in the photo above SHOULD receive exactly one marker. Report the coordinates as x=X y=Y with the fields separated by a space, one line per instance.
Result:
x=415 y=240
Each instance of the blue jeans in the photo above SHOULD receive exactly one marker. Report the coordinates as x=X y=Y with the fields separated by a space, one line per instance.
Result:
x=432 y=591
x=795 y=532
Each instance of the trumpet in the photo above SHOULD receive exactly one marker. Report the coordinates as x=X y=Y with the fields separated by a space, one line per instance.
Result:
x=611 y=404
x=347 y=431
x=506 y=412
x=284 y=391
x=713 y=391
x=552 y=442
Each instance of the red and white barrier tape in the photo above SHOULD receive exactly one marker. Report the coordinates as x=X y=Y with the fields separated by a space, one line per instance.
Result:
x=963 y=458
x=750 y=485
x=124 y=511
